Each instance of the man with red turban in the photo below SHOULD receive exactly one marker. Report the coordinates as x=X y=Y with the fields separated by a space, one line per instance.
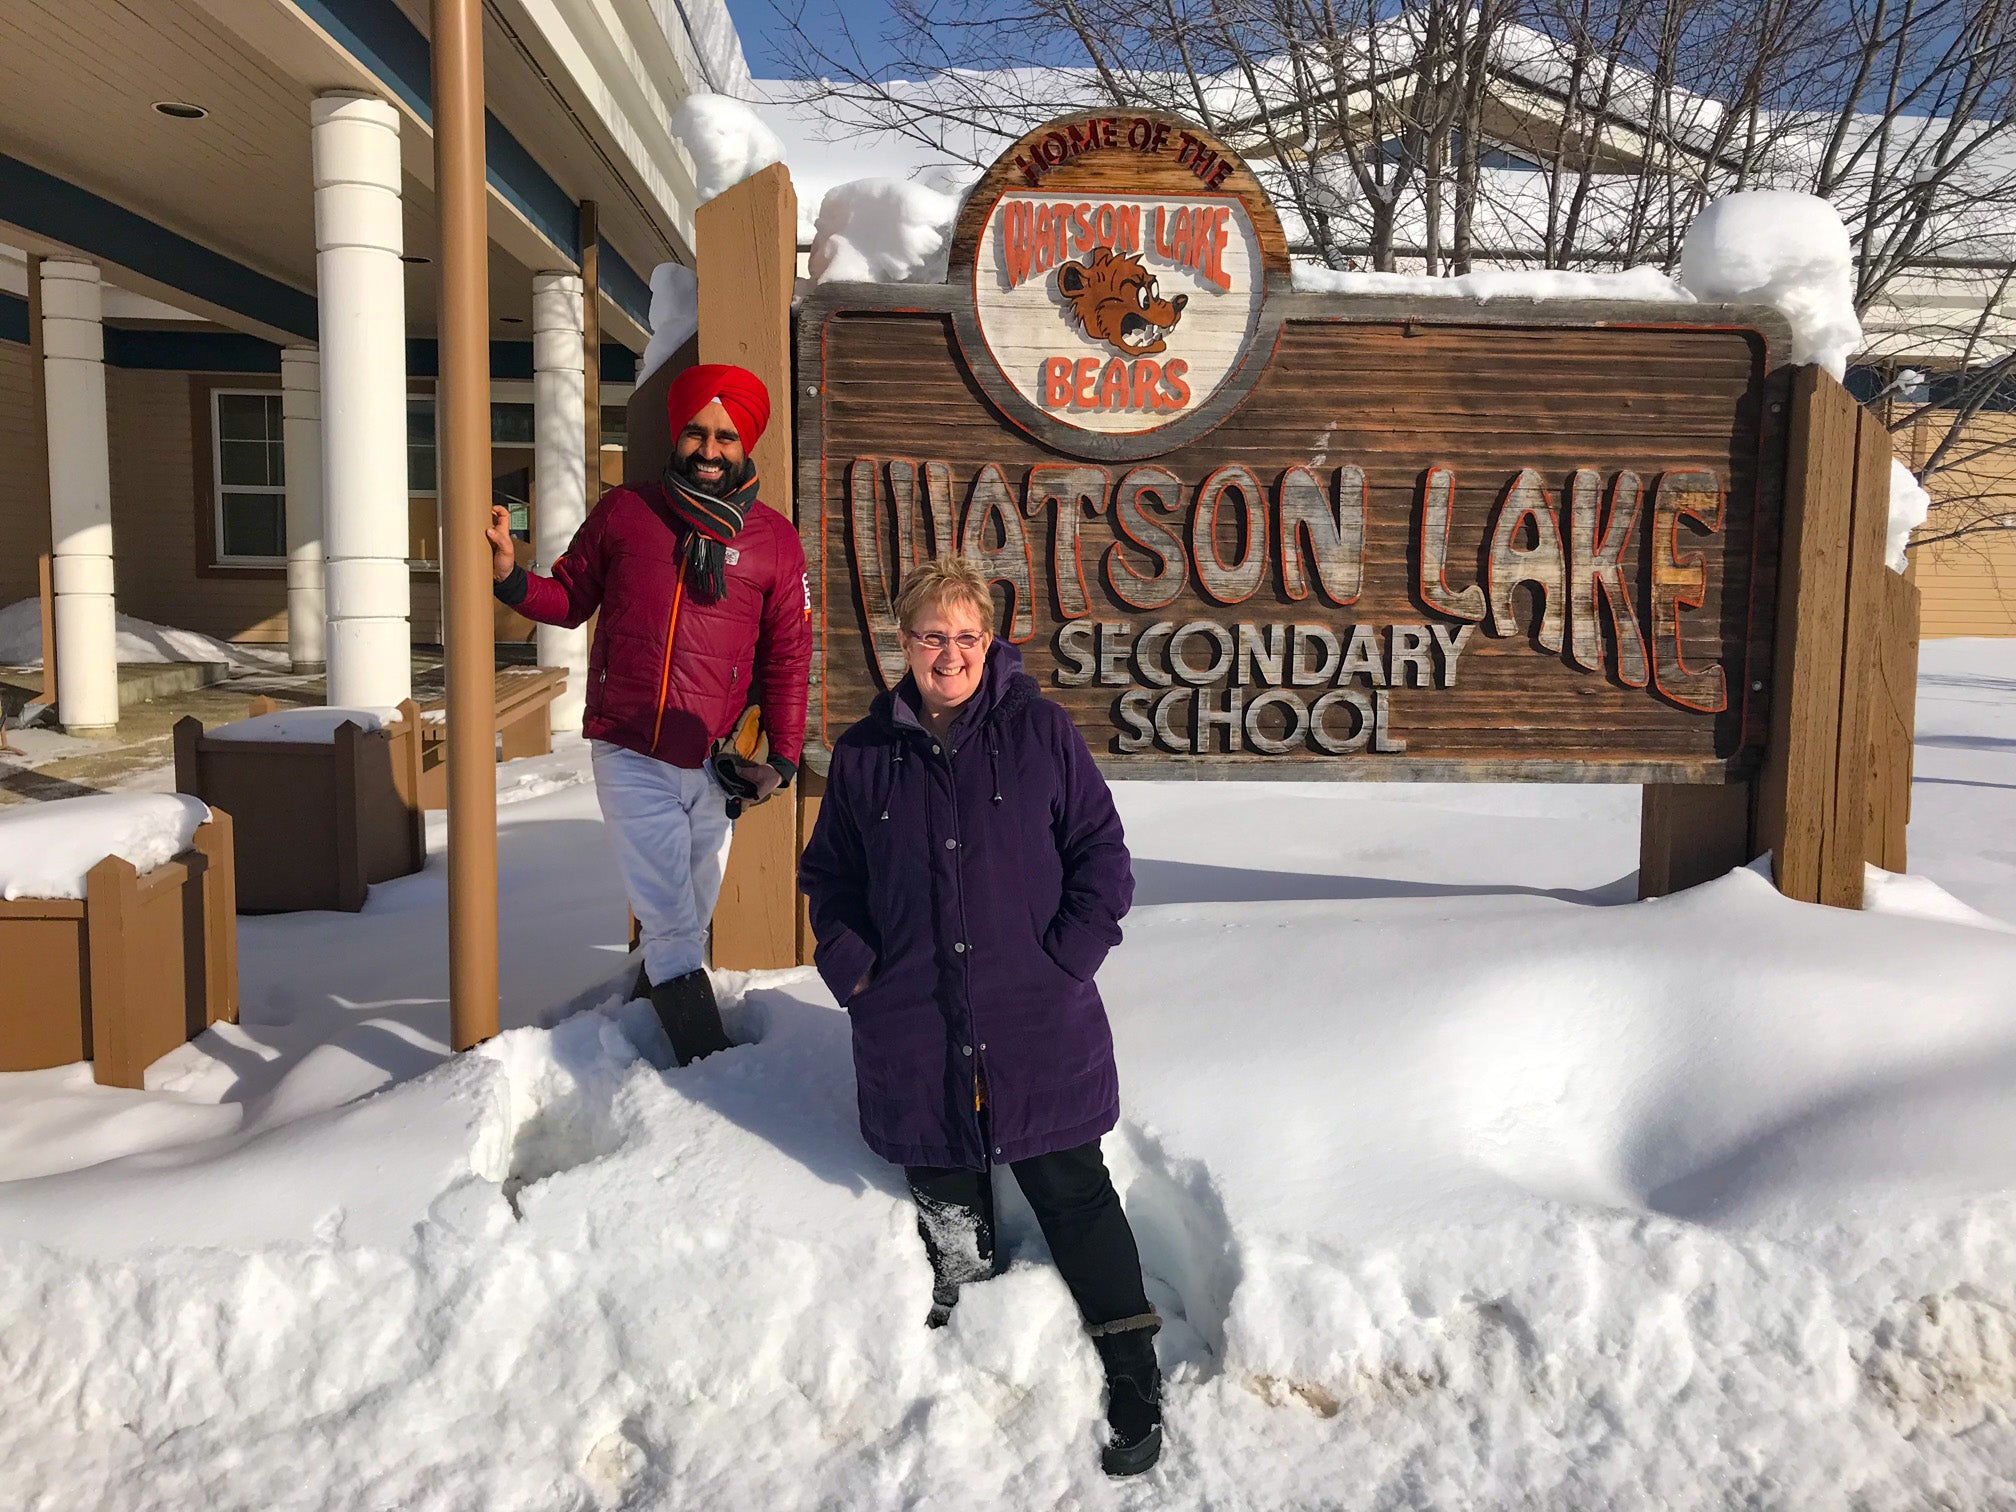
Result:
x=704 y=608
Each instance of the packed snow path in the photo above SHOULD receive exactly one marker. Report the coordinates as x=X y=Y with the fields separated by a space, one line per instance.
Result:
x=1462 y=1180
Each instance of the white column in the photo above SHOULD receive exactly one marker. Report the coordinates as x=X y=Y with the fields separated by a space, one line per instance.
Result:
x=80 y=497
x=559 y=468
x=361 y=293
x=301 y=432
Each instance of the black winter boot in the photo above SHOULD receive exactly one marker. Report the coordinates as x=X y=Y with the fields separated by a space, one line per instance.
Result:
x=1133 y=1394
x=692 y=1022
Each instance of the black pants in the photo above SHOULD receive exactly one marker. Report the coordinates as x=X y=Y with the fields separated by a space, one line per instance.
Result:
x=1075 y=1204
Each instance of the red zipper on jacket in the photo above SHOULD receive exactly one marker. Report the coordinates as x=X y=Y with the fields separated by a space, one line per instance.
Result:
x=665 y=672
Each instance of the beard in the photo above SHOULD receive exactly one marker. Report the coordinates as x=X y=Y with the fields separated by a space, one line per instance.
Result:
x=731 y=478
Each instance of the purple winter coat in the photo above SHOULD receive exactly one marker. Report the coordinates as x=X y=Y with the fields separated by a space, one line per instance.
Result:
x=978 y=887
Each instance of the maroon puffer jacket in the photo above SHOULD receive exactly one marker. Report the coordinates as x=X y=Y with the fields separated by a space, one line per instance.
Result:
x=669 y=673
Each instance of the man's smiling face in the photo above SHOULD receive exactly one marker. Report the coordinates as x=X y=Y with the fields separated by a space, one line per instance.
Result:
x=709 y=451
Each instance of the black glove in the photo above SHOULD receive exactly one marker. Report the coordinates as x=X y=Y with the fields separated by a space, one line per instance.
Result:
x=746 y=781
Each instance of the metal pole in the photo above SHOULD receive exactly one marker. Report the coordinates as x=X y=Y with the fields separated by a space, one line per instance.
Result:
x=464 y=443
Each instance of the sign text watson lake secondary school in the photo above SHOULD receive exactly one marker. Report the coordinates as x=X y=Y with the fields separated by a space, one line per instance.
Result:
x=1237 y=529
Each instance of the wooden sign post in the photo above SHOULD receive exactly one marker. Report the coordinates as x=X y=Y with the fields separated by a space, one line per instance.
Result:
x=1240 y=531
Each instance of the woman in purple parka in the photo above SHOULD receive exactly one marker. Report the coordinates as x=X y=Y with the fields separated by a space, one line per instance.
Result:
x=967 y=875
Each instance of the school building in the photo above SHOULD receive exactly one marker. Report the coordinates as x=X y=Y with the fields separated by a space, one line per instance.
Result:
x=188 y=431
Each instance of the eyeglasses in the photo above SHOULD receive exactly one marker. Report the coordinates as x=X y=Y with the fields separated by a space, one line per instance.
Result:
x=938 y=640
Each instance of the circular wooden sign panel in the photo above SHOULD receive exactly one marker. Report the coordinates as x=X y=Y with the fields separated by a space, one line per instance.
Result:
x=1119 y=267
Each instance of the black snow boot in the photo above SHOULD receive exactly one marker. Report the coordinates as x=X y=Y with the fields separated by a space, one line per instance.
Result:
x=692 y=1022
x=1133 y=1394
x=944 y=1297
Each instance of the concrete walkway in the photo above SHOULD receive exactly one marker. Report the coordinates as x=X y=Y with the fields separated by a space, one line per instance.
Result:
x=140 y=755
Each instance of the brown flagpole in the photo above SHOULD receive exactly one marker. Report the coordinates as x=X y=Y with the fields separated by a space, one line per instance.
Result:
x=464 y=408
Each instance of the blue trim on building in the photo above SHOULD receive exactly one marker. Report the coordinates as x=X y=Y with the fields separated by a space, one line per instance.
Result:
x=378 y=35
x=619 y=363
x=626 y=290
x=513 y=360
x=76 y=217
x=190 y=351
x=233 y=352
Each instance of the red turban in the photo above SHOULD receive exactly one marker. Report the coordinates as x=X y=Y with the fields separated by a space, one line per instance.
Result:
x=740 y=391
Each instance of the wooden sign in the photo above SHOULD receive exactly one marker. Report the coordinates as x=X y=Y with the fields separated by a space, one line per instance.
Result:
x=1240 y=531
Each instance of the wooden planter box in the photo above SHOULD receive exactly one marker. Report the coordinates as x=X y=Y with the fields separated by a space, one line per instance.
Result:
x=318 y=822
x=123 y=977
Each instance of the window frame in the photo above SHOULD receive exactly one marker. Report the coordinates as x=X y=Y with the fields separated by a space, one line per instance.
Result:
x=219 y=557
x=204 y=472
x=206 y=460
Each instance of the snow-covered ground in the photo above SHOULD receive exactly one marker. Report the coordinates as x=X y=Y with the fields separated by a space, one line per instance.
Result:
x=1463 y=1180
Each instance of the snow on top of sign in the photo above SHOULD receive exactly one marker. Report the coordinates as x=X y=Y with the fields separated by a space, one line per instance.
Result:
x=728 y=141
x=882 y=230
x=1909 y=504
x=1772 y=246
x=310 y=725
x=138 y=641
x=1643 y=283
x=675 y=315
x=46 y=848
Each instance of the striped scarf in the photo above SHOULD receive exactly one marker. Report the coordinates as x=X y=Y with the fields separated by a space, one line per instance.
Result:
x=711 y=521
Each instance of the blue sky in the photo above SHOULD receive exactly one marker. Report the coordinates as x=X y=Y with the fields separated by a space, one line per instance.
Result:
x=762 y=32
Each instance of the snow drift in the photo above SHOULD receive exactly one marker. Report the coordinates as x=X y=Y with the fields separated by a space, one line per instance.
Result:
x=138 y=640
x=1462 y=1180
x=1503 y=1200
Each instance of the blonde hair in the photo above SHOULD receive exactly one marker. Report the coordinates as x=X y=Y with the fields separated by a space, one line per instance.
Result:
x=942 y=581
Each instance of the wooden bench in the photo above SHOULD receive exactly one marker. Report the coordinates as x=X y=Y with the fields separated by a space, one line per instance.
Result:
x=523 y=723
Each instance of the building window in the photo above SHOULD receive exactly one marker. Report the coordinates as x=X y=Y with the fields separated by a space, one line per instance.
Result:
x=510 y=424
x=422 y=464
x=251 y=472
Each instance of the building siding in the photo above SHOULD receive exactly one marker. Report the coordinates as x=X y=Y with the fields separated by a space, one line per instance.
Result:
x=1968 y=585
x=154 y=517
x=23 y=518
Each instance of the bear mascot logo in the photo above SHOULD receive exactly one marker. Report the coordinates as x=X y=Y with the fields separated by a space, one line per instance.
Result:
x=1117 y=302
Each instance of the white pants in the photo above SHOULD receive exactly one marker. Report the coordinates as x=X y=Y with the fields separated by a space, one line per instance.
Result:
x=671 y=829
